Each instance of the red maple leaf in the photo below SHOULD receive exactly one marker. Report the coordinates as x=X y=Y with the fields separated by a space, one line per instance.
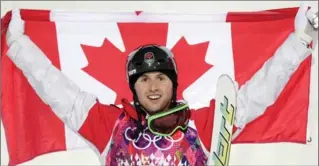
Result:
x=191 y=64
x=107 y=63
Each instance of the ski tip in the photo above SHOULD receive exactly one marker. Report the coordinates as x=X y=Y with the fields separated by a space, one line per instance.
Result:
x=226 y=76
x=227 y=79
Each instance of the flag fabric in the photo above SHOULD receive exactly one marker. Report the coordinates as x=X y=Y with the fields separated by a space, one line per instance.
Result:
x=90 y=48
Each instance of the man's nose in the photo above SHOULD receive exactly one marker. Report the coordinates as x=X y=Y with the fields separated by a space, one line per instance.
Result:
x=153 y=86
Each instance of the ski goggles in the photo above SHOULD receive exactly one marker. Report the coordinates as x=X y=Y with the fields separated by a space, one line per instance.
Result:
x=168 y=122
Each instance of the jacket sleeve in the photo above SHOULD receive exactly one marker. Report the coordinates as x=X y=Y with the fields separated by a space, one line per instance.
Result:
x=65 y=98
x=269 y=80
x=79 y=110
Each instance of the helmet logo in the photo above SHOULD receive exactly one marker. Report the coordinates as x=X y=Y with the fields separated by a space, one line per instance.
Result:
x=149 y=58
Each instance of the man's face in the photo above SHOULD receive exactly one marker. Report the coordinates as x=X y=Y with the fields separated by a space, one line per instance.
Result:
x=154 y=91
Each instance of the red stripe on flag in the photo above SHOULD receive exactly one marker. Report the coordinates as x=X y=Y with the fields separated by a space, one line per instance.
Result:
x=286 y=119
x=258 y=16
x=35 y=15
x=31 y=127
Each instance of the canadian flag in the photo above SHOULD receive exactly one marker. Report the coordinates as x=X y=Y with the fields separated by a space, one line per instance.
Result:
x=91 y=48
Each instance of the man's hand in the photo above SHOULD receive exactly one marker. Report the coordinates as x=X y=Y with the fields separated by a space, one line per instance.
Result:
x=313 y=19
x=306 y=24
x=16 y=27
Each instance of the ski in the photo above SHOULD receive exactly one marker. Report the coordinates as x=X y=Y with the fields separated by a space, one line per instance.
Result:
x=225 y=107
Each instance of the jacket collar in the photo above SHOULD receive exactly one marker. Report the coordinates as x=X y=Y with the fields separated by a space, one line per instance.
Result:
x=129 y=109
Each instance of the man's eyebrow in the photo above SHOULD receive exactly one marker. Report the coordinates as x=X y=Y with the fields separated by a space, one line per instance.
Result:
x=143 y=75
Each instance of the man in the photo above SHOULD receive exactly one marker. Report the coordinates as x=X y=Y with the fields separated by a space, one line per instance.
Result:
x=123 y=135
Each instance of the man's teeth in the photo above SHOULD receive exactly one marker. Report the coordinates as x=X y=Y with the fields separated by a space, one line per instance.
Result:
x=154 y=96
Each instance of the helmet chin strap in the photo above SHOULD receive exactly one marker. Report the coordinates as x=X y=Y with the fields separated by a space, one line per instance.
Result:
x=137 y=106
